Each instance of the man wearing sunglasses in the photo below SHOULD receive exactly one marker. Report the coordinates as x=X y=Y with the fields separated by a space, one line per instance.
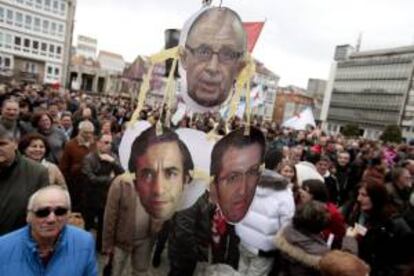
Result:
x=47 y=245
x=214 y=46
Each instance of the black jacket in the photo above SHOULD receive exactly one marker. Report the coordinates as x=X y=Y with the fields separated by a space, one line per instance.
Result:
x=17 y=183
x=190 y=240
x=97 y=175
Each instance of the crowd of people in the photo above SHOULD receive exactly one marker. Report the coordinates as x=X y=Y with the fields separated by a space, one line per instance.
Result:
x=324 y=204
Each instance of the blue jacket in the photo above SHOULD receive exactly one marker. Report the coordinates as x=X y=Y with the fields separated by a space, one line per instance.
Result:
x=74 y=254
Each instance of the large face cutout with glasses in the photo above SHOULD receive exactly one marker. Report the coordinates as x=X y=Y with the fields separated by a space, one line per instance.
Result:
x=213 y=57
x=235 y=186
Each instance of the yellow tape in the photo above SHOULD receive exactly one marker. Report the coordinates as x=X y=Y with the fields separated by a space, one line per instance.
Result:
x=162 y=56
x=243 y=82
x=201 y=174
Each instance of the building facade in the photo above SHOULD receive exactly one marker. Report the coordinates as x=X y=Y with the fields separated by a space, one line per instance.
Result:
x=35 y=40
x=93 y=73
x=373 y=89
x=86 y=46
x=266 y=82
x=290 y=101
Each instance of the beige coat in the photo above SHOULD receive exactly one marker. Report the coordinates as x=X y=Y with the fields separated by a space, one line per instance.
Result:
x=55 y=176
x=120 y=216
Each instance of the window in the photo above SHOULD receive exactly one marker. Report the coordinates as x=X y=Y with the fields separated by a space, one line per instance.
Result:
x=47 y=5
x=56 y=71
x=26 y=43
x=51 y=48
x=19 y=19
x=8 y=41
x=44 y=47
x=53 y=28
x=29 y=3
x=7 y=62
x=1 y=14
x=58 y=50
x=37 y=24
x=17 y=41
x=10 y=17
x=60 y=30
x=28 y=22
x=45 y=26
x=35 y=44
x=49 y=70
x=62 y=7
x=38 y=4
x=55 y=6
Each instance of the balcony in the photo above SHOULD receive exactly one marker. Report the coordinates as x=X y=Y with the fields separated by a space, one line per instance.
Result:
x=366 y=105
x=26 y=76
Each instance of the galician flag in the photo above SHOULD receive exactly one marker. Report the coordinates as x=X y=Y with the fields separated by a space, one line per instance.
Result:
x=301 y=120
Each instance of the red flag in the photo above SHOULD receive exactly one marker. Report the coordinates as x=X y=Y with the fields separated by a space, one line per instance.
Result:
x=55 y=86
x=253 y=30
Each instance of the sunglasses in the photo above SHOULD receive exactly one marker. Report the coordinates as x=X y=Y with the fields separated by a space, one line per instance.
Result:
x=45 y=212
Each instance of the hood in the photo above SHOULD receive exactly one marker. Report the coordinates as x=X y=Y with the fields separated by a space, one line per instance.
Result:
x=273 y=180
x=299 y=247
x=305 y=171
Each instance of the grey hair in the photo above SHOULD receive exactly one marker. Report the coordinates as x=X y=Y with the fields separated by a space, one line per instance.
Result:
x=35 y=195
x=85 y=124
x=10 y=100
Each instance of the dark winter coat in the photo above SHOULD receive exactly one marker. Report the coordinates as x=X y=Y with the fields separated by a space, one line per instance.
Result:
x=98 y=176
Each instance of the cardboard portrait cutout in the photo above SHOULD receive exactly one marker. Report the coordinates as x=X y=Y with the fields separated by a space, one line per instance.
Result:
x=162 y=166
x=198 y=145
x=213 y=47
x=236 y=165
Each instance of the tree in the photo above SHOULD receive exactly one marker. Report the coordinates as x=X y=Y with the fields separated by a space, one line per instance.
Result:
x=350 y=130
x=391 y=133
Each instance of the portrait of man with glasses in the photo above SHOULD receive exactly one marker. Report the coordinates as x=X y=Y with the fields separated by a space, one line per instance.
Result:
x=47 y=245
x=212 y=56
x=236 y=166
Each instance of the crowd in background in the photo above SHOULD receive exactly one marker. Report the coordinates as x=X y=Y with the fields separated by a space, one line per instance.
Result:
x=365 y=185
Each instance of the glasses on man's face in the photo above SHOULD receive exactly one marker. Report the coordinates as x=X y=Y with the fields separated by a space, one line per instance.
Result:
x=251 y=175
x=45 y=212
x=205 y=53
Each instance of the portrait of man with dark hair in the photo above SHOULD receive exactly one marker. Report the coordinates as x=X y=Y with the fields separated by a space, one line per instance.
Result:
x=162 y=165
x=236 y=165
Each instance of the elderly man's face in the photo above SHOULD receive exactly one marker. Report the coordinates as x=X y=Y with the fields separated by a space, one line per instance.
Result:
x=49 y=214
x=160 y=179
x=87 y=133
x=213 y=58
x=237 y=180
x=10 y=111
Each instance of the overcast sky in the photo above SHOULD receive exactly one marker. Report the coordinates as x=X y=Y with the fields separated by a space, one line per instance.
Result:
x=297 y=41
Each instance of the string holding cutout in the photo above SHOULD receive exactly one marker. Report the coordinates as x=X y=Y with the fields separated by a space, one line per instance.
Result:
x=243 y=83
x=172 y=53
